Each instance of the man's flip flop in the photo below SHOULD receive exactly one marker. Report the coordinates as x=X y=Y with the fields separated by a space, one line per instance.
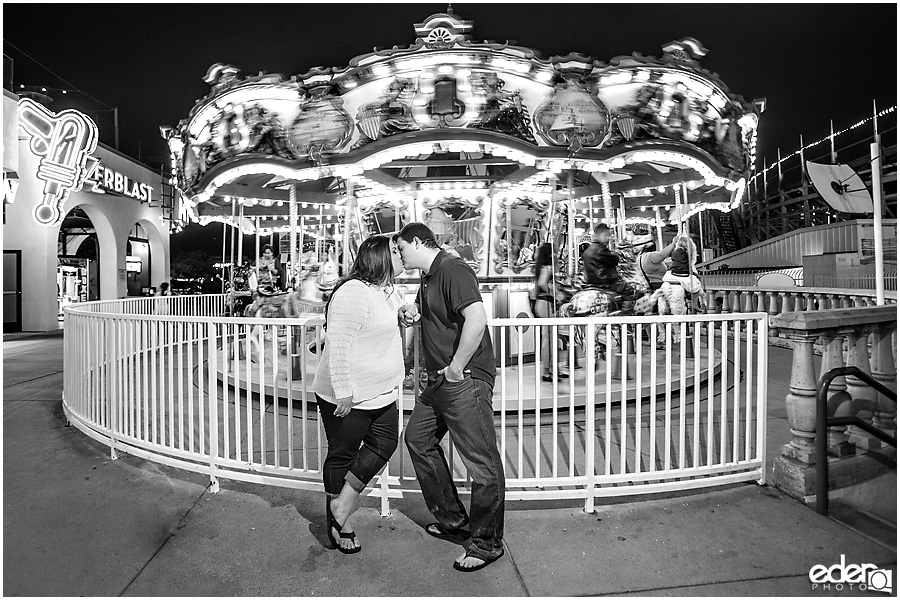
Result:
x=445 y=533
x=469 y=554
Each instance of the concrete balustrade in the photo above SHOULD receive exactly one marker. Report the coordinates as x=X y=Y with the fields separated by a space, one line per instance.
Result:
x=844 y=334
x=777 y=300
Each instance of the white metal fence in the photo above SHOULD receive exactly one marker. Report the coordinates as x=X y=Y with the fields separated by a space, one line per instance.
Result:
x=671 y=403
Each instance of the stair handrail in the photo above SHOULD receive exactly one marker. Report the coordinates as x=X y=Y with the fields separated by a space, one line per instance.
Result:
x=823 y=421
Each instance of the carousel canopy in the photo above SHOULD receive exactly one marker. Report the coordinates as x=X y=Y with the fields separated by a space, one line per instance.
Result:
x=449 y=117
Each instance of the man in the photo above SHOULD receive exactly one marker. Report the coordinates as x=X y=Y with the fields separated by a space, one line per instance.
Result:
x=459 y=359
x=600 y=264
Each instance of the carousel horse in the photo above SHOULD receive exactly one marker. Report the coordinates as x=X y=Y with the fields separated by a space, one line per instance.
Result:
x=328 y=274
x=268 y=302
x=240 y=294
x=588 y=301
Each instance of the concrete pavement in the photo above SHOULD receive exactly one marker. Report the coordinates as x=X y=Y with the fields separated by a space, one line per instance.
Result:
x=78 y=523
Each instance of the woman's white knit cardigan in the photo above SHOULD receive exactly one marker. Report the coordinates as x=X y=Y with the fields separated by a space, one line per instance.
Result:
x=363 y=355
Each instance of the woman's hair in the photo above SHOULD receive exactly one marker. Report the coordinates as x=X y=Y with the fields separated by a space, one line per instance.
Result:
x=688 y=244
x=544 y=258
x=373 y=265
x=267 y=247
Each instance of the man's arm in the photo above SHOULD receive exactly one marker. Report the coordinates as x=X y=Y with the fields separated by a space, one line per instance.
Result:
x=469 y=340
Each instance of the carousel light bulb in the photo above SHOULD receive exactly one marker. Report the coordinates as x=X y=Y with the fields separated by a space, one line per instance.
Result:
x=661 y=189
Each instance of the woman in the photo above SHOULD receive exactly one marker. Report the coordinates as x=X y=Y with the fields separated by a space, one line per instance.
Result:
x=356 y=382
x=544 y=307
x=267 y=271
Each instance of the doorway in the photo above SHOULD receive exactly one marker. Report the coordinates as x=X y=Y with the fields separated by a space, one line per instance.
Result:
x=12 y=291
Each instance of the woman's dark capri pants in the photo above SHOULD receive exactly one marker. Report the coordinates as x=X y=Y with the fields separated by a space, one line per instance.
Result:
x=377 y=430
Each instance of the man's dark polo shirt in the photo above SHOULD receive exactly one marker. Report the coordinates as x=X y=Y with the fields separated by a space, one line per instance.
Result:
x=449 y=287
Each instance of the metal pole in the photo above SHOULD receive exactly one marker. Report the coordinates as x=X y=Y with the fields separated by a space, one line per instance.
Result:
x=659 y=226
x=231 y=273
x=320 y=238
x=292 y=211
x=224 y=240
x=240 y=250
x=256 y=262
x=573 y=246
x=700 y=222
x=590 y=200
x=397 y=218
x=348 y=212
x=804 y=183
x=509 y=238
x=831 y=137
x=571 y=237
x=879 y=242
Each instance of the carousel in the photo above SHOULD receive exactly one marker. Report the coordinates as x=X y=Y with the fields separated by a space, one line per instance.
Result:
x=495 y=148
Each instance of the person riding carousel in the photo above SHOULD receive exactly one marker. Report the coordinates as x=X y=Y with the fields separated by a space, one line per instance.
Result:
x=266 y=272
x=601 y=265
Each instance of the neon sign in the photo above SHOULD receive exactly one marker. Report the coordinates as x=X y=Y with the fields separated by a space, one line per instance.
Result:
x=64 y=142
x=103 y=179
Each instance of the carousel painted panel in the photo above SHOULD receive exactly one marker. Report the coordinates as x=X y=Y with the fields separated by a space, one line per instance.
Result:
x=443 y=96
x=520 y=226
x=458 y=223
x=571 y=116
x=384 y=215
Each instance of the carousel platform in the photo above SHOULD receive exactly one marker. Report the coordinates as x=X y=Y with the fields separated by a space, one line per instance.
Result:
x=649 y=375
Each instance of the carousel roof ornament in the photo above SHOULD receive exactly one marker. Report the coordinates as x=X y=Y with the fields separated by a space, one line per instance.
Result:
x=448 y=110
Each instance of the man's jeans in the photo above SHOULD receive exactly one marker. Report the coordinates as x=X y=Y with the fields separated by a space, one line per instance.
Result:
x=464 y=408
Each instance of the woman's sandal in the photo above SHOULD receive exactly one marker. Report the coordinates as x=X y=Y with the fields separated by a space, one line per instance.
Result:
x=332 y=523
x=470 y=554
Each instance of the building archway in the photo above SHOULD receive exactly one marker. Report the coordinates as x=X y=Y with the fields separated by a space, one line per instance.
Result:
x=107 y=259
x=78 y=253
x=158 y=262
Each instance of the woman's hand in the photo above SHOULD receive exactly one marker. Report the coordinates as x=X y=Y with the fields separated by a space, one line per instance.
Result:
x=343 y=406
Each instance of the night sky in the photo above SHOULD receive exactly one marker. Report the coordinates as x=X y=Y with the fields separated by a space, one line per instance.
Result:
x=813 y=62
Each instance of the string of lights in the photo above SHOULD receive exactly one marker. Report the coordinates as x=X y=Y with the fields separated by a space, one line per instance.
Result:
x=71 y=87
x=825 y=139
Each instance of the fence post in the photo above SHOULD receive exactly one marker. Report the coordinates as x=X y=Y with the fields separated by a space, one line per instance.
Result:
x=213 y=412
x=111 y=387
x=590 y=424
